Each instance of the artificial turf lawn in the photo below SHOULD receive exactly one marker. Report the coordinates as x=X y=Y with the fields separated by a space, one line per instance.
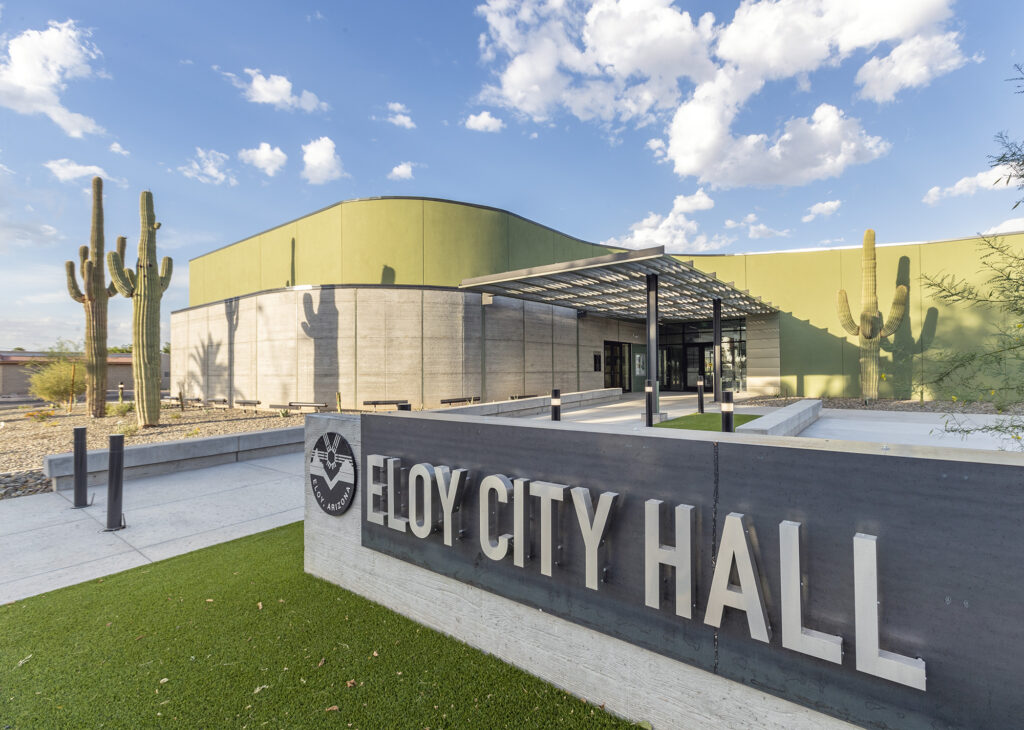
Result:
x=705 y=421
x=185 y=643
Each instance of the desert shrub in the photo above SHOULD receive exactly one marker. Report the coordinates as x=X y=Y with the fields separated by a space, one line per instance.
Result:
x=120 y=409
x=128 y=430
x=53 y=382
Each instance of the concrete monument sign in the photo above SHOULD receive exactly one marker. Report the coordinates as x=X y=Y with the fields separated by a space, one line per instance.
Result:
x=861 y=583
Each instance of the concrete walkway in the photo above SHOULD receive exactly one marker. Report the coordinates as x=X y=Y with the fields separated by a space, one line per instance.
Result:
x=46 y=544
x=885 y=427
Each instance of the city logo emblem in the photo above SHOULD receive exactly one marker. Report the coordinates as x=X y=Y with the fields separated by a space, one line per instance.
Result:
x=332 y=473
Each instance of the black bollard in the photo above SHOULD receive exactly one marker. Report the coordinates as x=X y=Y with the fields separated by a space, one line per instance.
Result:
x=556 y=404
x=727 y=423
x=81 y=469
x=115 y=484
x=649 y=394
x=700 y=394
x=120 y=392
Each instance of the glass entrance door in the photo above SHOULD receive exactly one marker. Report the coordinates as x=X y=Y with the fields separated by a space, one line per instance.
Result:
x=700 y=360
x=617 y=366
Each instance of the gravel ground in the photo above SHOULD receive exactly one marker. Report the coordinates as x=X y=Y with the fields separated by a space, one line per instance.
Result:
x=25 y=440
x=928 y=406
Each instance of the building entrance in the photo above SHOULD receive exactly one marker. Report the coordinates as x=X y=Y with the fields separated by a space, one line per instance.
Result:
x=686 y=351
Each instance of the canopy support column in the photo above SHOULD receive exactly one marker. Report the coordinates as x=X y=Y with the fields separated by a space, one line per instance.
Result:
x=652 y=344
x=716 y=327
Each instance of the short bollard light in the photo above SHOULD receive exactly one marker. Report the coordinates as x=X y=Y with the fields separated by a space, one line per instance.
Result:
x=81 y=469
x=115 y=484
x=120 y=392
x=700 y=394
x=727 y=422
x=649 y=395
x=556 y=404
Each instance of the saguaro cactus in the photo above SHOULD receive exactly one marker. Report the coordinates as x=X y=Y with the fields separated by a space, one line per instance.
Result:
x=94 y=301
x=145 y=287
x=871 y=329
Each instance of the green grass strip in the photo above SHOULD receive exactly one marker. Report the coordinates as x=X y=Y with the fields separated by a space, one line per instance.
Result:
x=237 y=635
x=705 y=421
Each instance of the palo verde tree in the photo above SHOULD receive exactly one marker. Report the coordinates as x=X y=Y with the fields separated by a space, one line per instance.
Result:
x=93 y=297
x=993 y=370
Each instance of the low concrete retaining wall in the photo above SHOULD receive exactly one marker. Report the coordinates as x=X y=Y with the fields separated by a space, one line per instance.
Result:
x=540 y=404
x=788 y=421
x=172 y=456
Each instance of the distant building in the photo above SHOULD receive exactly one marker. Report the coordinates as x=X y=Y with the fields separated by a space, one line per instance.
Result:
x=15 y=371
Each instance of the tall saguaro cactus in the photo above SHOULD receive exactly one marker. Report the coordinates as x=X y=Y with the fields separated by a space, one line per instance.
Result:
x=93 y=297
x=145 y=287
x=871 y=328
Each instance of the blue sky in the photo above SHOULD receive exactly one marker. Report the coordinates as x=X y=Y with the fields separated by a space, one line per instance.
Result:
x=765 y=126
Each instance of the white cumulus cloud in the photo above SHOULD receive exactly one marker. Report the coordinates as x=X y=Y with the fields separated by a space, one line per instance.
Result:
x=914 y=62
x=208 y=166
x=823 y=209
x=649 y=62
x=1011 y=225
x=675 y=231
x=265 y=158
x=756 y=229
x=275 y=90
x=400 y=116
x=322 y=163
x=484 y=122
x=985 y=180
x=117 y=149
x=65 y=169
x=36 y=68
x=401 y=171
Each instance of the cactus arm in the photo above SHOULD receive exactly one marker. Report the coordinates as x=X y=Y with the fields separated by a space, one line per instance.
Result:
x=73 y=289
x=87 y=272
x=121 y=278
x=166 y=268
x=843 y=308
x=121 y=242
x=899 y=307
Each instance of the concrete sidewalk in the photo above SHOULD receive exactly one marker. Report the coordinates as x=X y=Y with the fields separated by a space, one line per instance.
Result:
x=46 y=544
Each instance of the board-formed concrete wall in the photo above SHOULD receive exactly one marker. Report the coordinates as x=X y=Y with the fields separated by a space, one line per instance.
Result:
x=423 y=345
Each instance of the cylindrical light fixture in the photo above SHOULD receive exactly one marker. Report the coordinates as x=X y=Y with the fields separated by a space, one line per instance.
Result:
x=556 y=404
x=115 y=483
x=649 y=394
x=700 y=394
x=727 y=420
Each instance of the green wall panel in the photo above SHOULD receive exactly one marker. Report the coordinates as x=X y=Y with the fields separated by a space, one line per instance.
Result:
x=277 y=257
x=382 y=241
x=530 y=245
x=460 y=242
x=318 y=247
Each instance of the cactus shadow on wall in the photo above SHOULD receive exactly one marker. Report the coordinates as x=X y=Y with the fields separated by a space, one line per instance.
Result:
x=387 y=275
x=902 y=346
x=203 y=362
x=231 y=307
x=321 y=326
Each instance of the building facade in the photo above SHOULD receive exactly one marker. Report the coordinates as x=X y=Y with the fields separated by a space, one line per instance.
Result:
x=362 y=299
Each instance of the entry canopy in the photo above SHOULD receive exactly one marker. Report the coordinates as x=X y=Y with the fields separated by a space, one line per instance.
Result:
x=615 y=286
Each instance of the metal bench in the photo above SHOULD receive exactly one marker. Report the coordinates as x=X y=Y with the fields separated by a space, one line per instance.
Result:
x=376 y=403
x=222 y=402
x=453 y=401
x=247 y=404
x=300 y=405
x=520 y=396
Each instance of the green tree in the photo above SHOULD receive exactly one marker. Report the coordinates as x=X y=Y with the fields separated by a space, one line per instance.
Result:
x=993 y=370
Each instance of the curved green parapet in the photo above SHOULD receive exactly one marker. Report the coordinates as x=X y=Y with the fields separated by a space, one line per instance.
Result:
x=404 y=241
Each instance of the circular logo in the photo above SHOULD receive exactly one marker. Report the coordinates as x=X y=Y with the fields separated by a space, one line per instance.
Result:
x=332 y=473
